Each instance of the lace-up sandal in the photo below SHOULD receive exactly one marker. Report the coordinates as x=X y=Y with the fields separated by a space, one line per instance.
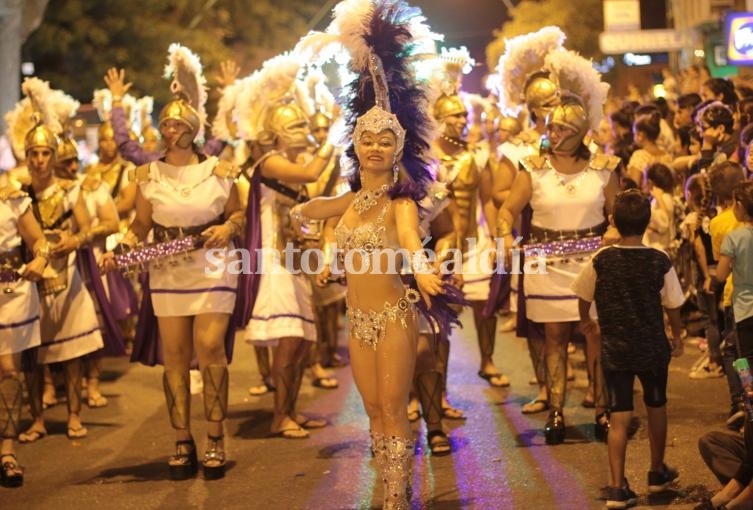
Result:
x=214 y=458
x=185 y=463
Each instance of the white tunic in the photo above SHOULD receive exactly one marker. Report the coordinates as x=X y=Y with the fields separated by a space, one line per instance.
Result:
x=562 y=202
x=19 y=309
x=189 y=196
x=69 y=324
x=283 y=308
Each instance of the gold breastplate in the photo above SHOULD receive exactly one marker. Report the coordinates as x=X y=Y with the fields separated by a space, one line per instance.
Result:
x=463 y=178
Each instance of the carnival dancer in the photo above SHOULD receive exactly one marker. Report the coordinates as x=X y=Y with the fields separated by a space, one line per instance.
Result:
x=570 y=193
x=61 y=211
x=192 y=295
x=387 y=160
x=19 y=307
x=275 y=127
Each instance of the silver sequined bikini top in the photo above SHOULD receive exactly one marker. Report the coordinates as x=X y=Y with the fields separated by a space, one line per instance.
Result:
x=369 y=236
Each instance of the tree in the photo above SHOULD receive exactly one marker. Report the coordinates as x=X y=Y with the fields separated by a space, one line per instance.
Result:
x=581 y=20
x=79 y=39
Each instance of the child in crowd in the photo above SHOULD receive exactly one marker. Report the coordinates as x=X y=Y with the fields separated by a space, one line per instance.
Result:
x=634 y=342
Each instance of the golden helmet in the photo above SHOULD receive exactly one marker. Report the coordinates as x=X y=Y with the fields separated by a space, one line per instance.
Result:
x=106 y=131
x=288 y=122
x=149 y=134
x=320 y=120
x=510 y=125
x=67 y=149
x=40 y=136
x=571 y=114
x=541 y=94
x=180 y=110
x=449 y=105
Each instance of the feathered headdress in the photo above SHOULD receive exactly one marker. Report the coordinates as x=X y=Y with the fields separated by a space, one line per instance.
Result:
x=524 y=55
x=454 y=62
x=224 y=127
x=276 y=82
x=381 y=39
x=145 y=107
x=43 y=105
x=188 y=82
x=577 y=74
x=19 y=121
x=322 y=99
x=102 y=102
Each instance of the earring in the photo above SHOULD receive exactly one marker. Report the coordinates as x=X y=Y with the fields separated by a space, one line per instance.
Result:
x=395 y=171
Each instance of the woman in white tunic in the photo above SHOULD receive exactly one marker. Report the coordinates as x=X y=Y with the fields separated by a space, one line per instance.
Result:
x=19 y=309
x=570 y=192
x=187 y=194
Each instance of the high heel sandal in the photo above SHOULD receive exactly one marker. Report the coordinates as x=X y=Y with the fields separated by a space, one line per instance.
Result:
x=601 y=427
x=11 y=474
x=554 y=431
x=214 y=458
x=185 y=463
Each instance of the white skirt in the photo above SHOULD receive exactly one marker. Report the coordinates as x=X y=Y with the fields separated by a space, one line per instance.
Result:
x=477 y=271
x=69 y=326
x=182 y=287
x=548 y=296
x=283 y=307
x=19 y=317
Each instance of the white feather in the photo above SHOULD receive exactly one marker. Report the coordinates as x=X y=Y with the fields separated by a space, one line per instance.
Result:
x=102 y=102
x=524 y=55
x=221 y=126
x=39 y=92
x=351 y=23
x=578 y=75
x=19 y=121
x=185 y=70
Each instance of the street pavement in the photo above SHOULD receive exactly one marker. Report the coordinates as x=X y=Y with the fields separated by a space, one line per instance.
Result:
x=500 y=460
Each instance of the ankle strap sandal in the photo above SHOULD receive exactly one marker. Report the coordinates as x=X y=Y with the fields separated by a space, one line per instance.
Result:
x=185 y=463
x=214 y=458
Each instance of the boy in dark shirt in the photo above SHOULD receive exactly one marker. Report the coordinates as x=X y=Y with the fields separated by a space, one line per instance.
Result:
x=632 y=285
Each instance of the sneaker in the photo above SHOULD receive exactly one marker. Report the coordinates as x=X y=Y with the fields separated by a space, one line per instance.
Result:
x=706 y=372
x=659 y=481
x=736 y=417
x=621 y=497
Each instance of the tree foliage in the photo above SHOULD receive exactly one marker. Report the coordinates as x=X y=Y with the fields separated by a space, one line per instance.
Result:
x=581 y=20
x=79 y=39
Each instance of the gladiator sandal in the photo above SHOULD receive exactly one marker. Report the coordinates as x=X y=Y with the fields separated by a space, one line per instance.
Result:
x=11 y=398
x=184 y=464
x=215 y=409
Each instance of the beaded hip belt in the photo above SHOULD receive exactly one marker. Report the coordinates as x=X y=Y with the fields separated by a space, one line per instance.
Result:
x=370 y=326
x=563 y=250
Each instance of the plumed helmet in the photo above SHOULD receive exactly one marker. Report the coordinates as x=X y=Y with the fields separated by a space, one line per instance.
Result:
x=541 y=94
x=510 y=124
x=180 y=110
x=40 y=136
x=449 y=105
x=67 y=149
x=105 y=131
x=320 y=120
x=287 y=121
x=570 y=114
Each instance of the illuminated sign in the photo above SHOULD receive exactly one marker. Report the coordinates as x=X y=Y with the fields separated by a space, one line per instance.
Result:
x=739 y=37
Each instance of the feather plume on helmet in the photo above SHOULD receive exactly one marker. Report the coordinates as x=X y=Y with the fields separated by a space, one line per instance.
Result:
x=271 y=104
x=47 y=123
x=223 y=126
x=189 y=87
x=322 y=99
x=577 y=75
x=523 y=61
x=19 y=121
x=383 y=39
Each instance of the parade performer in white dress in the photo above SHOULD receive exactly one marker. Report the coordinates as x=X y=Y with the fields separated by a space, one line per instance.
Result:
x=279 y=309
x=387 y=159
x=61 y=211
x=570 y=193
x=192 y=294
x=19 y=309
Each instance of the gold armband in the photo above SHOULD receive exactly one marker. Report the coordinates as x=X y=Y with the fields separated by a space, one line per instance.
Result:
x=43 y=251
